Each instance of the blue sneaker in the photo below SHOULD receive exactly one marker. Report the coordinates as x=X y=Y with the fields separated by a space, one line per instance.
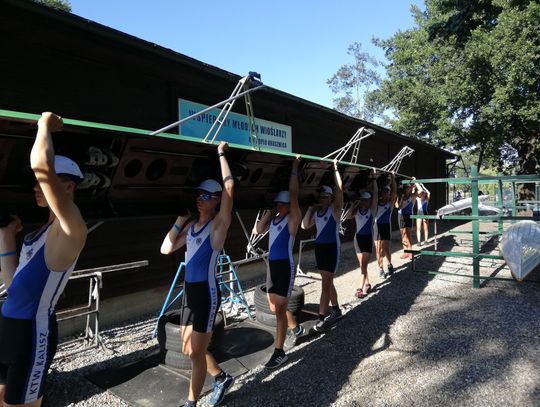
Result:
x=218 y=394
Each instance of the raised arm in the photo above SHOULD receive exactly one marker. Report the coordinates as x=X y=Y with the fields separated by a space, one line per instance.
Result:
x=415 y=192
x=374 y=196
x=353 y=209
x=295 y=215
x=8 y=250
x=308 y=221
x=70 y=236
x=264 y=221
x=176 y=236
x=222 y=221
x=393 y=192
x=338 y=192
x=428 y=194
x=399 y=199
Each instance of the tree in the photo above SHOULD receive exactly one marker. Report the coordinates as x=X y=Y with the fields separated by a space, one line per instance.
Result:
x=63 y=5
x=353 y=81
x=466 y=77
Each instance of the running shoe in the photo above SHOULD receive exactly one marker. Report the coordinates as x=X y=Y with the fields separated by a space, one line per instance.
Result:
x=390 y=270
x=276 y=360
x=332 y=317
x=382 y=274
x=292 y=336
x=220 y=387
x=361 y=293
x=320 y=325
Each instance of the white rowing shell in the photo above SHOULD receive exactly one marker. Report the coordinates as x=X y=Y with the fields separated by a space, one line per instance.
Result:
x=459 y=205
x=520 y=247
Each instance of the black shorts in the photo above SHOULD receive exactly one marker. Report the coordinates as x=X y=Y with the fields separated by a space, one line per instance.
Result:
x=404 y=221
x=281 y=277
x=201 y=305
x=383 y=231
x=363 y=243
x=327 y=256
x=27 y=348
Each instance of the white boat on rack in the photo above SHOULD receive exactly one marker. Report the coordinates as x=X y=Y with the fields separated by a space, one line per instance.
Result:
x=520 y=246
x=459 y=205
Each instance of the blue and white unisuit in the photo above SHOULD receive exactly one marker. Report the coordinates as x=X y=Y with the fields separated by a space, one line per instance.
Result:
x=364 y=223
x=201 y=258
x=280 y=240
x=422 y=205
x=202 y=291
x=28 y=315
x=406 y=207
x=327 y=227
x=280 y=279
x=327 y=243
x=384 y=212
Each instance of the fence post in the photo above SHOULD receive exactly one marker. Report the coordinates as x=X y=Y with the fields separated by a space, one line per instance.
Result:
x=475 y=227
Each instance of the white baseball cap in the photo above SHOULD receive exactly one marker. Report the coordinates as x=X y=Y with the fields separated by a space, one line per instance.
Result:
x=365 y=195
x=325 y=189
x=211 y=186
x=66 y=166
x=282 y=197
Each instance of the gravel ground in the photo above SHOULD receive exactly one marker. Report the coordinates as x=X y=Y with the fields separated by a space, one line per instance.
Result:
x=417 y=340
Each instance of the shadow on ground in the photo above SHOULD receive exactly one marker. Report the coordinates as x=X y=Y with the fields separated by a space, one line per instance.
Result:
x=333 y=356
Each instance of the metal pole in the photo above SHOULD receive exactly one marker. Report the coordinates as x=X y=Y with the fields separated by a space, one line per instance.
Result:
x=501 y=205
x=87 y=329
x=166 y=303
x=475 y=227
x=514 y=211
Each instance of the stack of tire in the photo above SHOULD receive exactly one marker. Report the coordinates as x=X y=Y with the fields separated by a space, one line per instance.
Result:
x=263 y=313
x=170 y=340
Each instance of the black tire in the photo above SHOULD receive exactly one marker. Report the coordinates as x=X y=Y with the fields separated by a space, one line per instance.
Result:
x=177 y=360
x=172 y=332
x=266 y=318
x=173 y=315
x=296 y=300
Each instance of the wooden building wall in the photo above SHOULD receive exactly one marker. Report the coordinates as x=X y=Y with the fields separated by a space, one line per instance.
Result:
x=54 y=61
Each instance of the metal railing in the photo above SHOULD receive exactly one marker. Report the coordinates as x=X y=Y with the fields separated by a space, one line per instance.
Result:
x=92 y=307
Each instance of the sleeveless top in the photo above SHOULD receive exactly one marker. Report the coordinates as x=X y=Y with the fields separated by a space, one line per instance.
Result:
x=201 y=258
x=364 y=222
x=35 y=288
x=384 y=212
x=327 y=227
x=422 y=206
x=280 y=240
x=406 y=207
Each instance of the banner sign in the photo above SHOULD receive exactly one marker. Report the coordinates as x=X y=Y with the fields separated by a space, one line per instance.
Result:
x=235 y=129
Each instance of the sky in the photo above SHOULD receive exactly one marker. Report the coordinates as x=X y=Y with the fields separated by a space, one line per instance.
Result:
x=296 y=45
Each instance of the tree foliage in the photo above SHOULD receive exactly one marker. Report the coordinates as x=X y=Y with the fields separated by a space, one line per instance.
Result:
x=352 y=81
x=467 y=77
x=63 y=5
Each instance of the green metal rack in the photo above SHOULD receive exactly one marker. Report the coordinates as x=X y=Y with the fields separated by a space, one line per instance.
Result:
x=474 y=181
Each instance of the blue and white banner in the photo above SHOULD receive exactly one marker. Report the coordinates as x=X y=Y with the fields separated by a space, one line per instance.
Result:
x=235 y=129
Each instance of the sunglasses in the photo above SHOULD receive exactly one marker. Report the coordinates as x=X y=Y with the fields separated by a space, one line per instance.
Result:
x=204 y=196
